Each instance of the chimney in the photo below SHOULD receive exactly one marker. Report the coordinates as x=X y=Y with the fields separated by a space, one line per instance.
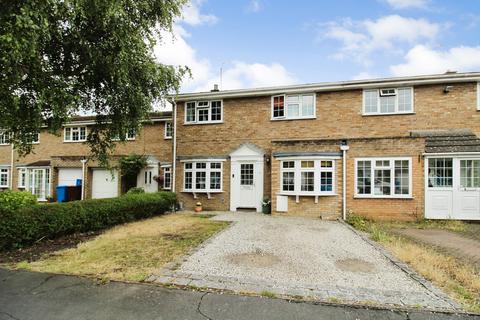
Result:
x=215 y=88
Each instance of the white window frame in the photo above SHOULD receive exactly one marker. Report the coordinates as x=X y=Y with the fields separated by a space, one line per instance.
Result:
x=478 y=95
x=392 y=178
x=167 y=170
x=365 y=113
x=76 y=128
x=209 y=107
x=285 y=107
x=166 y=135
x=22 y=178
x=317 y=169
x=131 y=135
x=47 y=181
x=5 y=171
x=208 y=171
x=5 y=138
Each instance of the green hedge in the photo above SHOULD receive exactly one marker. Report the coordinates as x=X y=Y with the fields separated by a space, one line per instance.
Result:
x=14 y=200
x=48 y=221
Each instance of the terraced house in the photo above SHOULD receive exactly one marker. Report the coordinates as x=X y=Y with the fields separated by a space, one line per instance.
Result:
x=397 y=148
x=62 y=160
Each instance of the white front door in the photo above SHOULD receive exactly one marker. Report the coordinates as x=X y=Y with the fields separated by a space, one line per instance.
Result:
x=104 y=184
x=146 y=179
x=452 y=188
x=248 y=192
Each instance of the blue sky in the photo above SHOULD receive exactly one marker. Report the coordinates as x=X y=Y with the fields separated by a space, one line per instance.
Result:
x=279 y=42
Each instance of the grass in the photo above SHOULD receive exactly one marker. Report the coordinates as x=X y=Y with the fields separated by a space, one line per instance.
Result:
x=131 y=251
x=268 y=294
x=456 y=277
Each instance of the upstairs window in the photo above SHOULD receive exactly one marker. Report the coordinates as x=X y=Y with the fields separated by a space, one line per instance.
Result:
x=75 y=134
x=4 y=138
x=204 y=112
x=388 y=101
x=293 y=106
x=168 y=130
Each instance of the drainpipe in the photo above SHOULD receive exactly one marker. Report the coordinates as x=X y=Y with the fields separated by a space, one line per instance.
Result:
x=344 y=147
x=174 y=160
x=84 y=163
x=11 y=166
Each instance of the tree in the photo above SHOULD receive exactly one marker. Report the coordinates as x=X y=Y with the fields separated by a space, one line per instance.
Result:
x=59 y=58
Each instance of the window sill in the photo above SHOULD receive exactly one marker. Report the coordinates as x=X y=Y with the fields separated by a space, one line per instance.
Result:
x=201 y=123
x=290 y=119
x=384 y=197
x=202 y=191
x=387 y=114
x=80 y=141
x=307 y=194
x=167 y=138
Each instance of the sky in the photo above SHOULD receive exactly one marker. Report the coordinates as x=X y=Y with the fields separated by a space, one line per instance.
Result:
x=261 y=43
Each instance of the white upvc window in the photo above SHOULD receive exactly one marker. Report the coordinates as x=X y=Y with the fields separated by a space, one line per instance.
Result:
x=199 y=112
x=39 y=182
x=4 y=177
x=131 y=135
x=22 y=178
x=203 y=176
x=307 y=177
x=167 y=177
x=388 y=101
x=4 y=138
x=75 y=134
x=168 y=130
x=383 y=177
x=293 y=106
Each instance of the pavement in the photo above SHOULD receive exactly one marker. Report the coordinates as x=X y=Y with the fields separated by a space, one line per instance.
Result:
x=26 y=295
x=291 y=256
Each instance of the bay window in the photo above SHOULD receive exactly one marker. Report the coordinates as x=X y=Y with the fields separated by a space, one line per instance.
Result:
x=383 y=177
x=307 y=177
x=293 y=106
x=388 y=101
x=204 y=112
x=202 y=176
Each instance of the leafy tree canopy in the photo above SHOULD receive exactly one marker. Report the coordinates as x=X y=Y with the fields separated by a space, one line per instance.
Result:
x=59 y=58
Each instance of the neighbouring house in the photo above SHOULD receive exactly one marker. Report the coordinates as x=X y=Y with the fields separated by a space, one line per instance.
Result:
x=396 y=148
x=62 y=160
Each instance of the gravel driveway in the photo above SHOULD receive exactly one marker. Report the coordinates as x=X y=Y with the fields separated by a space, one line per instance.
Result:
x=323 y=260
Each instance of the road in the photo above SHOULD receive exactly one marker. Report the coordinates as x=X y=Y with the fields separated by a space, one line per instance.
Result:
x=28 y=295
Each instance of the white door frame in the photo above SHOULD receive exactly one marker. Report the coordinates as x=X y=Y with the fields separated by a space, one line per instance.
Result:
x=246 y=153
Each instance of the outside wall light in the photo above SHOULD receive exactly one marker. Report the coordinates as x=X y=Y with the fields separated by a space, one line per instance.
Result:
x=447 y=89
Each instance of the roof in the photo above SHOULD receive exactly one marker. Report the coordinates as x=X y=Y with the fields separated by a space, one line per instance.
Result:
x=449 y=141
x=449 y=77
x=39 y=163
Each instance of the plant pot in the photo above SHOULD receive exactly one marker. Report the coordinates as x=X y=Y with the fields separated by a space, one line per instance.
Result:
x=267 y=208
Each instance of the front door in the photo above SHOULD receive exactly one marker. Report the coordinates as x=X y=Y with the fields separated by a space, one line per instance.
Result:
x=247 y=185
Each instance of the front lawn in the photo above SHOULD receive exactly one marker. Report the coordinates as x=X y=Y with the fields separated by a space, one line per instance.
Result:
x=459 y=278
x=131 y=251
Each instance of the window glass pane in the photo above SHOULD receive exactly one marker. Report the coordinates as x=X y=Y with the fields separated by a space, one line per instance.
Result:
x=215 y=180
x=168 y=129
x=278 y=107
x=83 y=133
x=387 y=104
x=404 y=99
x=200 y=180
x=308 y=164
x=68 y=133
x=402 y=176
x=246 y=174
x=203 y=115
x=440 y=173
x=364 y=172
x=307 y=181
x=371 y=101
x=326 y=164
x=215 y=165
x=75 y=134
x=190 y=111
x=216 y=110
x=326 y=181
x=288 y=164
x=288 y=181
x=4 y=177
x=382 y=182
x=188 y=165
x=470 y=173
x=188 y=180
x=201 y=165
x=293 y=110
x=307 y=106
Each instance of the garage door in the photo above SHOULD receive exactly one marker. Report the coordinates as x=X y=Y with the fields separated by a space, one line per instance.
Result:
x=69 y=176
x=452 y=188
x=104 y=184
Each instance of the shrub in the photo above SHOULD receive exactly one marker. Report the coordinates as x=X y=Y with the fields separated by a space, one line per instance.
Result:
x=135 y=190
x=11 y=201
x=29 y=224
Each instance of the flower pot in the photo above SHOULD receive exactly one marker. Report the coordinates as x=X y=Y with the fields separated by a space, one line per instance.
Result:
x=266 y=208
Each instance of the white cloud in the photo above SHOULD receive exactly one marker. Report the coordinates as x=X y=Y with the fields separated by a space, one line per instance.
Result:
x=423 y=60
x=360 y=38
x=402 y=4
x=255 y=6
x=191 y=14
x=364 y=75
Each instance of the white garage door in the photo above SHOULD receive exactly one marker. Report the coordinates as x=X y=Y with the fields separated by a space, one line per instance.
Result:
x=104 y=184
x=69 y=176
